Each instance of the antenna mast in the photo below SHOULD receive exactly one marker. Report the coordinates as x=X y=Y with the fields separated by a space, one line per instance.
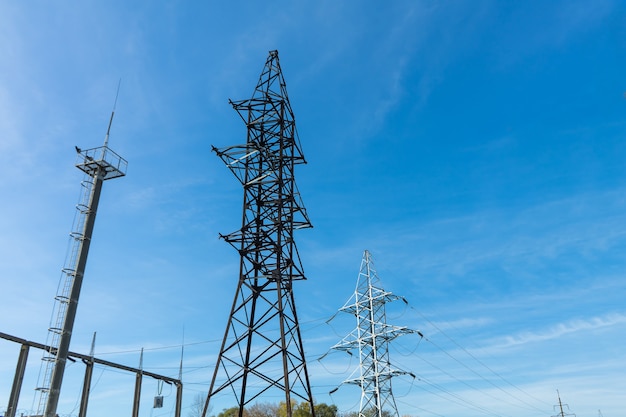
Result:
x=371 y=338
x=106 y=137
x=98 y=164
x=262 y=352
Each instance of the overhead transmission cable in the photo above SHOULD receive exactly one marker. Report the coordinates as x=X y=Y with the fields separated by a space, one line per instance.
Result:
x=466 y=383
x=474 y=357
x=484 y=379
x=478 y=361
x=421 y=408
x=455 y=398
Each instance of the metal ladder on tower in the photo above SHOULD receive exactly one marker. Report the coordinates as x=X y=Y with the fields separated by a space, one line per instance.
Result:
x=61 y=300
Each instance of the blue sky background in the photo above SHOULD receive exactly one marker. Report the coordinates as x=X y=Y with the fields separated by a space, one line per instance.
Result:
x=476 y=149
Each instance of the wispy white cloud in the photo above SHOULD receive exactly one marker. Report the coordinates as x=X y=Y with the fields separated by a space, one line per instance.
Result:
x=562 y=329
x=586 y=224
x=465 y=323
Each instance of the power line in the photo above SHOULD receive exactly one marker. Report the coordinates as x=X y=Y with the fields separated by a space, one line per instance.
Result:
x=455 y=397
x=479 y=362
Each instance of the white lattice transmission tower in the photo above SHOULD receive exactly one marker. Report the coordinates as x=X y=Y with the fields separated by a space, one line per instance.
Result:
x=371 y=339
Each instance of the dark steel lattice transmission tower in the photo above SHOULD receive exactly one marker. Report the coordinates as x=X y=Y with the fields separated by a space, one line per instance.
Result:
x=262 y=352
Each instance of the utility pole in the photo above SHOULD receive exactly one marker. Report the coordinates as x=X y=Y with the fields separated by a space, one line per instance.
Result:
x=262 y=352
x=84 y=399
x=371 y=339
x=560 y=408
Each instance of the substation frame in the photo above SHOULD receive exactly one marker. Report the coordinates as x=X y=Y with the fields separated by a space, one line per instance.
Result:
x=98 y=164
x=262 y=351
x=89 y=361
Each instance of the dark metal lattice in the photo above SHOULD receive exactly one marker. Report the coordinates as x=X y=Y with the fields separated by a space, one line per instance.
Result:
x=262 y=352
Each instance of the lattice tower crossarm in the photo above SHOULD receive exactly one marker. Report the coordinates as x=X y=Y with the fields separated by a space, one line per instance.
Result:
x=262 y=352
x=560 y=406
x=98 y=164
x=371 y=339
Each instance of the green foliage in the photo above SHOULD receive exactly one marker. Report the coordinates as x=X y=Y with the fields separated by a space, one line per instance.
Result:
x=325 y=410
x=302 y=409
x=229 y=412
x=297 y=410
x=282 y=409
x=371 y=412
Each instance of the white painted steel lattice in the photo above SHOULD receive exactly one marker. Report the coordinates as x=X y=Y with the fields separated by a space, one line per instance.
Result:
x=371 y=338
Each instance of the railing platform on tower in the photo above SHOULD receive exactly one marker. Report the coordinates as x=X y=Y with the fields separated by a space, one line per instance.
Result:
x=102 y=159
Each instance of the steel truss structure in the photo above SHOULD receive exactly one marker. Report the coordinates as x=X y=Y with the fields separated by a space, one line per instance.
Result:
x=262 y=352
x=89 y=361
x=371 y=338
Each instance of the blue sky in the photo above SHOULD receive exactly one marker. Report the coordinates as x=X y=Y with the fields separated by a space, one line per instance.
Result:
x=476 y=149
